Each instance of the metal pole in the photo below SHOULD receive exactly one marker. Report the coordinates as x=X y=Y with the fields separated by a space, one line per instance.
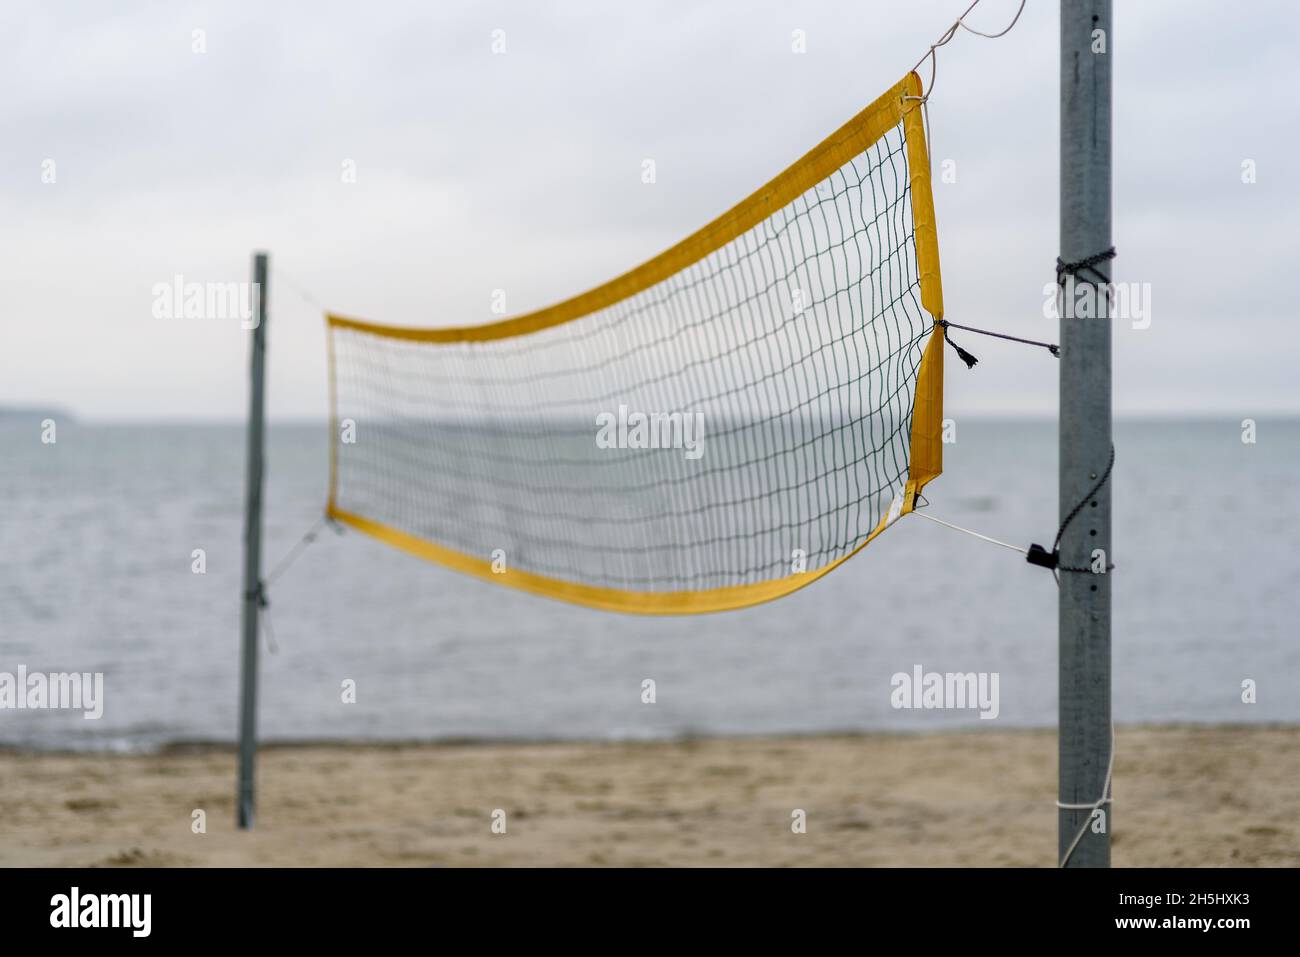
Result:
x=1087 y=44
x=252 y=551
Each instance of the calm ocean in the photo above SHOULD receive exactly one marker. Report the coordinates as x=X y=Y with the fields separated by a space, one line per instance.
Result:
x=97 y=532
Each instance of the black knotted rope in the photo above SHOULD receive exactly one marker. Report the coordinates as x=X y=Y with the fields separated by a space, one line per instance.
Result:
x=962 y=354
x=1089 y=263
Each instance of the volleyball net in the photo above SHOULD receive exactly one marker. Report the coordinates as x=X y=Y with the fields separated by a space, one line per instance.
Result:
x=718 y=427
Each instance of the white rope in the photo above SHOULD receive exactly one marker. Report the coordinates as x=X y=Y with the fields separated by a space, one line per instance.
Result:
x=297 y=289
x=1110 y=761
x=946 y=37
x=993 y=36
x=958 y=528
x=1094 y=806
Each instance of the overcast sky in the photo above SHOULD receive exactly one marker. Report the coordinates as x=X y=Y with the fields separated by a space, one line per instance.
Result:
x=521 y=171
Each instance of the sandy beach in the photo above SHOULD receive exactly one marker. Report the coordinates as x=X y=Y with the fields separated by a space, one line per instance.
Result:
x=1184 y=796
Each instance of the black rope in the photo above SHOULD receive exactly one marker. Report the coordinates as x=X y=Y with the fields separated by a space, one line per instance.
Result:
x=1049 y=346
x=1038 y=555
x=1056 y=545
x=962 y=354
x=1064 y=268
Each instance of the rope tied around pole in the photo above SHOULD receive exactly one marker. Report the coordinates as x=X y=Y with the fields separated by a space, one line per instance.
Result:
x=1093 y=807
x=1089 y=263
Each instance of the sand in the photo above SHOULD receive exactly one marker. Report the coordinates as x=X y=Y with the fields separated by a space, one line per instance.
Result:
x=1184 y=796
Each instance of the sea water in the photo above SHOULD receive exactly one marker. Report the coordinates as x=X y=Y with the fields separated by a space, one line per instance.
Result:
x=99 y=534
